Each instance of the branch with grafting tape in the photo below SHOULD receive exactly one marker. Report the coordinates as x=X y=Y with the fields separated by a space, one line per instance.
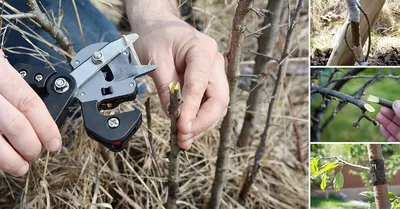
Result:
x=344 y=99
x=174 y=111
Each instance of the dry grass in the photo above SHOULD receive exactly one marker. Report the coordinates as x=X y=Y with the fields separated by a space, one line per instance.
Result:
x=84 y=175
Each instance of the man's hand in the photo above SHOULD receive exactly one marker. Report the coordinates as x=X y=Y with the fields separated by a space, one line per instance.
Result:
x=390 y=122
x=182 y=54
x=25 y=124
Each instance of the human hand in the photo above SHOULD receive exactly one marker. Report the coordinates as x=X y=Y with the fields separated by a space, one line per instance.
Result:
x=25 y=123
x=390 y=122
x=183 y=54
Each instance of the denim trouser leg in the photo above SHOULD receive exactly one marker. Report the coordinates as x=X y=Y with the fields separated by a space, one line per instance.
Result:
x=96 y=28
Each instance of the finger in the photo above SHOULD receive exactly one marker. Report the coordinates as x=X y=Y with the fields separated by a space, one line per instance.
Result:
x=213 y=109
x=396 y=108
x=10 y=161
x=196 y=78
x=385 y=132
x=21 y=96
x=186 y=145
x=18 y=131
x=389 y=113
x=389 y=125
x=392 y=139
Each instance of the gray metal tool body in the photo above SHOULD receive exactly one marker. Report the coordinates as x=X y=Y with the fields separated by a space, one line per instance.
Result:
x=103 y=77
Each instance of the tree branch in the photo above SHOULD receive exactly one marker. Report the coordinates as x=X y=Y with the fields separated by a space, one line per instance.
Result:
x=329 y=93
x=320 y=111
x=18 y=16
x=265 y=51
x=252 y=172
x=226 y=130
x=344 y=99
x=347 y=163
x=174 y=111
x=50 y=27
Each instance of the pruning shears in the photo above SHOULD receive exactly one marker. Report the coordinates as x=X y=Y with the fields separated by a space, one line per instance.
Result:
x=103 y=77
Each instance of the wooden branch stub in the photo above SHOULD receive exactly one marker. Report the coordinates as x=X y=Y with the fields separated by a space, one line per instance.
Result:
x=174 y=111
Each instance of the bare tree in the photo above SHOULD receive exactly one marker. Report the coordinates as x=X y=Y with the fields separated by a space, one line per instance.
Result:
x=266 y=48
x=252 y=171
x=226 y=130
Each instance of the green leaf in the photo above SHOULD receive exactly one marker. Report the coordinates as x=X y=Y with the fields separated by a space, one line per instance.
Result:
x=368 y=194
x=326 y=168
x=392 y=196
x=395 y=205
x=314 y=164
x=323 y=182
x=338 y=182
x=396 y=148
x=372 y=205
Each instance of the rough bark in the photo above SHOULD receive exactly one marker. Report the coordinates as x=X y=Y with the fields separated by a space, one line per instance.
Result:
x=381 y=191
x=266 y=47
x=341 y=54
x=253 y=170
x=226 y=130
x=174 y=111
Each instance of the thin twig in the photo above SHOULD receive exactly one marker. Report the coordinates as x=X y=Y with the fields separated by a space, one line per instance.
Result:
x=265 y=52
x=344 y=97
x=78 y=19
x=174 y=111
x=226 y=130
x=346 y=163
x=49 y=27
x=18 y=16
x=251 y=174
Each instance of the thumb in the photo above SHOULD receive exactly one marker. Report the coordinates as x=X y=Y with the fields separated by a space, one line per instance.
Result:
x=396 y=108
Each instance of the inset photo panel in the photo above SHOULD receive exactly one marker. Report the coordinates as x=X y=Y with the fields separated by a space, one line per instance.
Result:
x=357 y=176
x=355 y=105
x=354 y=32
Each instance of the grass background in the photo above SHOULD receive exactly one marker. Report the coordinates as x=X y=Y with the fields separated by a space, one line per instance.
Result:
x=333 y=203
x=340 y=128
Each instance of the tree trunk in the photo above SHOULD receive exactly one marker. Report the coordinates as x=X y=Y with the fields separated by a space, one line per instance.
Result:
x=226 y=130
x=266 y=46
x=341 y=54
x=378 y=176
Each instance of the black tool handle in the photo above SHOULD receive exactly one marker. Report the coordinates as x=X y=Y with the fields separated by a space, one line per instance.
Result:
x=42 y=81
x=113 y=135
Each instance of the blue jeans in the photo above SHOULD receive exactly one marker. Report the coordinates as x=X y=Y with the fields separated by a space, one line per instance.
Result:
x=96 y=28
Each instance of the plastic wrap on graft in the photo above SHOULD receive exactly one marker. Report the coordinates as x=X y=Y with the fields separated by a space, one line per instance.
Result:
x=354 y=12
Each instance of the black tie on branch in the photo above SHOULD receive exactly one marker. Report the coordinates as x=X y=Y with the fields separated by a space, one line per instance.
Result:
x=344 y=99
x=377 y=170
